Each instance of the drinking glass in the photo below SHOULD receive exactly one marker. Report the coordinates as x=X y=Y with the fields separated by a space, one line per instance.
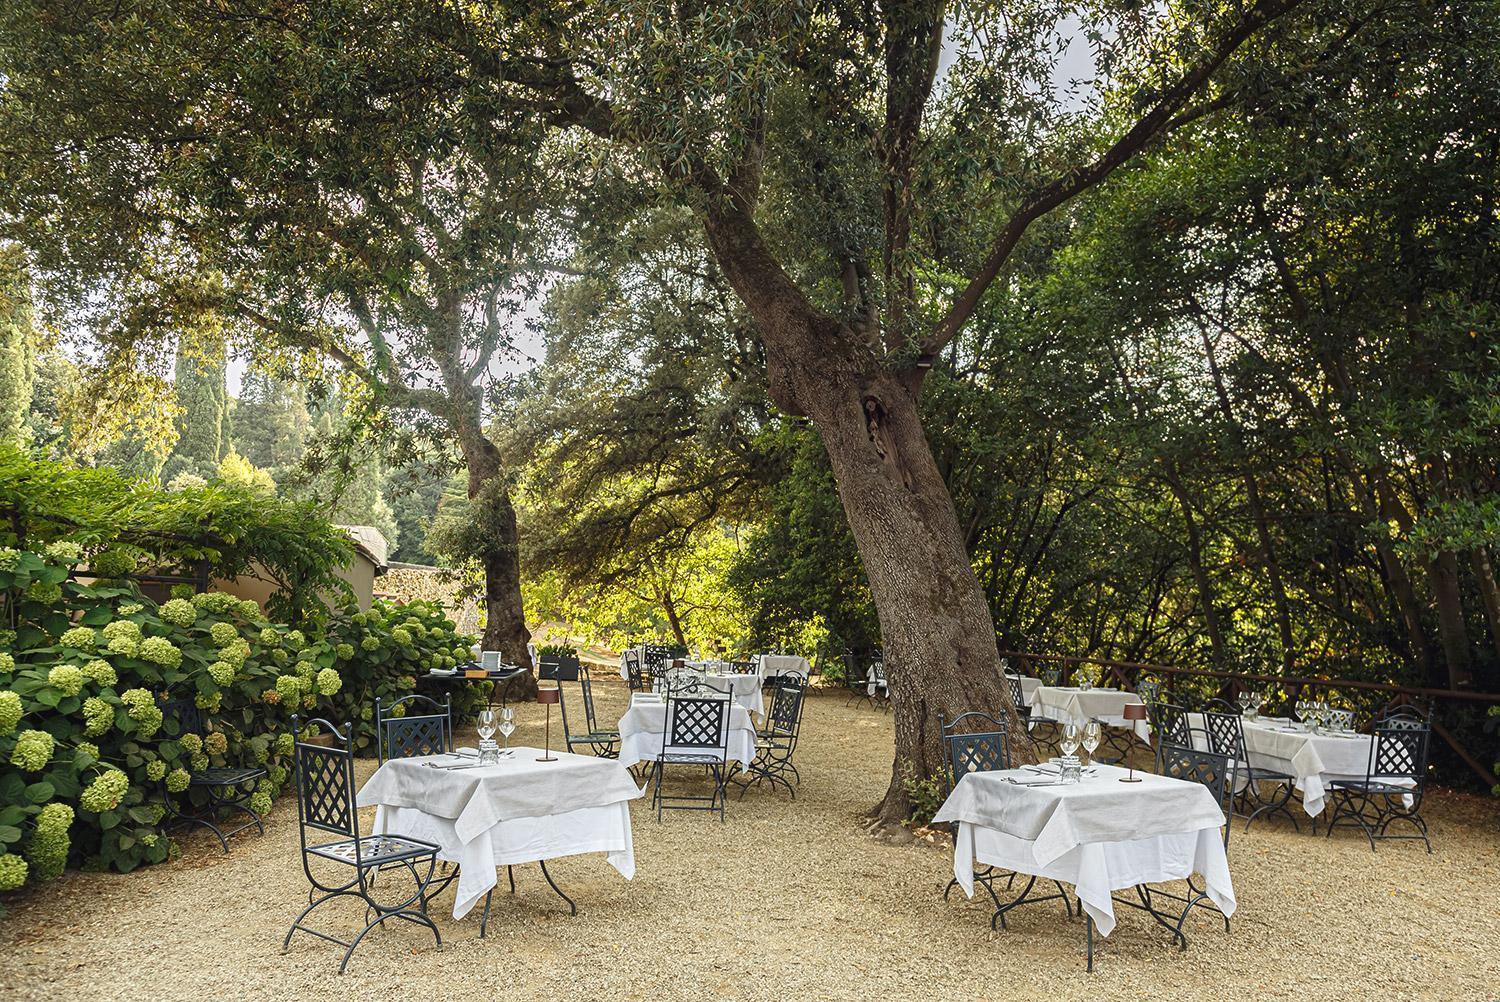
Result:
x=1301 y=708
x=1092 y=735
x=1245 y=700
x=1070 y=735
x=507 y=726
x=486 y=724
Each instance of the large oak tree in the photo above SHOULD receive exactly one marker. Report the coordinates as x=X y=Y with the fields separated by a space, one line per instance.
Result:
x=860 y=202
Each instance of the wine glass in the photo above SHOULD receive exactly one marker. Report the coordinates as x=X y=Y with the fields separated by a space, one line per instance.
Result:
x=486 y=724
x=1244 y=699
x=1092 y=735
x=507 y=726
x=1302 y=708
x=1070 y=736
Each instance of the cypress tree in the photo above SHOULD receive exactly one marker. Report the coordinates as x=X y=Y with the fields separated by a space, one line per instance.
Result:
x=17 y=351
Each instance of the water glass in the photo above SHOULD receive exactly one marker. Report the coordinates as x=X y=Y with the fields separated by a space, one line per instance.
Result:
x=1071 y=771
x=507 y=727
x=1093 y=733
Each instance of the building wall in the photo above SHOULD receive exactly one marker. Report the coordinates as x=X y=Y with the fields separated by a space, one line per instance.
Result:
x=360 y=574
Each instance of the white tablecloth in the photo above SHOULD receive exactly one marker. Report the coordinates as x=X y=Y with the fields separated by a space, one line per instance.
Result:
x=874 y=685
x=1312 y=760
x=644 y=724
x=514 y=832
x=1100 y=835
x=744 y=688
x=1065 y=704
x=784 y=664
x=1029 y=686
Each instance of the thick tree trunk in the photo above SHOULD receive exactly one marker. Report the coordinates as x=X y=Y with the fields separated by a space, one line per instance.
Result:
x=939 y=639
x=1489 y=592
x=673 y=620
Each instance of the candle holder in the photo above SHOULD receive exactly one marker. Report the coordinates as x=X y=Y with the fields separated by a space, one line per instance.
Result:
x=1133 y=712
x=548 y=697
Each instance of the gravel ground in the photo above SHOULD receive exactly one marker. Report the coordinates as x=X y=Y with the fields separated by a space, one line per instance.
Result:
x=785 y=901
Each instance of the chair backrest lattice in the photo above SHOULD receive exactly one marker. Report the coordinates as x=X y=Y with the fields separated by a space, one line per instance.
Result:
x=1212 y=771
x=786 y=710
x=1225 y=729
x=410 y=734
x=325 y=783
x=1399 y=750
x=632 y=661
x=1017 y=694
x=984 y=751
x=696 y=724
x=743 y=668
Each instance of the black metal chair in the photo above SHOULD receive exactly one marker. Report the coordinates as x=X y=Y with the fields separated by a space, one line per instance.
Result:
x=697 y=733
x=404 y=734
x=655 y=660
x=742 y=667
x=1395 y=773
x=877 y=679
x=1171 y=725
x=634 y=674
x=224 y=790
x=776 y=743
x=605 y=744
x=855 y=681
x=987 y=750
x=1224 y=731
x=325 y=803
x=1216 y=773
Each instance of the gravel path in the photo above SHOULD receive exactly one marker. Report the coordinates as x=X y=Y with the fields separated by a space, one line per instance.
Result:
x=785 y=901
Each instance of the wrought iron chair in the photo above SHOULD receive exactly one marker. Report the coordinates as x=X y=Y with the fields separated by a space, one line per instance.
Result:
x=1216 y=773
x=1172 y=726
x=876 y=684
x=224 y=790
x=697 y=733
x=987 y=750
x=777 y=741
x=404 y=734
x=634 y=674
x=655 y=660
x=1391 y=790
x=1224 y=730
x=325 y=803
x=855 y=682
x=743 y=667
x=605 y=744
x=1017 y=696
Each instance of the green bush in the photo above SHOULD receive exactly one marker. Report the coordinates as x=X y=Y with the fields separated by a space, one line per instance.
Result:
x=86 y=758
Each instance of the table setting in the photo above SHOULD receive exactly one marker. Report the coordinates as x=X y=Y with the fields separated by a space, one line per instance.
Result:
x=1100 y=828
x=1316 y=749
x=527 y=806
x=1080 y=704
x=644 y=724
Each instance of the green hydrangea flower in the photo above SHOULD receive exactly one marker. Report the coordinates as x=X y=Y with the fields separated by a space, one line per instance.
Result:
x=12 y=872
x=211 y=703
x=199 y=762
x=260 y=803
x=285 y=743
x=47 y=852
x=344 y=652
x=307 y=655
x=250 y=609
x=63 y=552
x=260 y=752
x=154 y=813
x=216 y=743
x=141 y=707
x=370 y=643
x=126 y=646
x=115 y=563
x=105 y=792
x=235 y=653
x=179 y=613
x=33 y=751
x=269 y=637
x=191 y=743
x=178 y=780
x=295 y=639
x=97 y=716
x=223 y=633
x=122 y=628
x=222 y=672
x=216 y=602
x=159 y=650
x=182 y=591
x=68 y=679
x=10 y=711
x=10 y=558
x=7 y=663
x=46 y=594
x=280 y=656
x=82 y=638
x=277 y=774
x=87 y=749
x=130 y=609
x=101 y=671
x=149 y=841
x=290 y=687
x=156 y=771
x=329 y=682
x=401 y=636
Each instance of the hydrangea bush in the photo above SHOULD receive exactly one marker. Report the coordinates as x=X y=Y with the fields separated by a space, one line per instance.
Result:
x=87 y=759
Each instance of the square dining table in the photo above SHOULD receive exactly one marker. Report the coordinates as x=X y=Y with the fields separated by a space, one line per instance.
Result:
x=520 y=810
x=1073 y=704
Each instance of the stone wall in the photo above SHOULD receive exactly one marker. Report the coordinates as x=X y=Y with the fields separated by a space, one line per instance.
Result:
x=406 y=582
